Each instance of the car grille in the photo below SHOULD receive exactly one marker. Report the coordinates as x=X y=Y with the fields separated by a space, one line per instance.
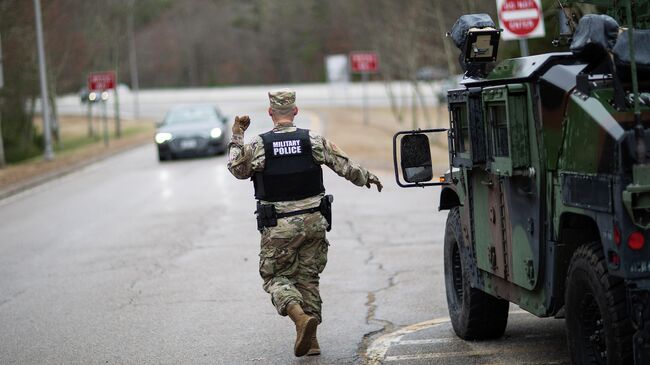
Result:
x=189 y=143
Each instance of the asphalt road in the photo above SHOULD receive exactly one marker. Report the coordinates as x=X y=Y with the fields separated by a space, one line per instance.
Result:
x=134 y=261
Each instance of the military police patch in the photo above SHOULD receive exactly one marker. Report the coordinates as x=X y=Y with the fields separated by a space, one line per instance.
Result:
x=287 y=148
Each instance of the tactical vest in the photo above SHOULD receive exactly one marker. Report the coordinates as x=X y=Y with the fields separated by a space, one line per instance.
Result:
x=290 y=172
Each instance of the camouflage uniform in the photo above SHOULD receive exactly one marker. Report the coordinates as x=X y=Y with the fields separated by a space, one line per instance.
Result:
x=294 y=253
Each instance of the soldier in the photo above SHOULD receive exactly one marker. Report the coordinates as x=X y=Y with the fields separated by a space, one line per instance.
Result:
x=293 y=211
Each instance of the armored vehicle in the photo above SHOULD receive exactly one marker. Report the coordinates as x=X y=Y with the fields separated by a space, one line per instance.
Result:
x=548 y=189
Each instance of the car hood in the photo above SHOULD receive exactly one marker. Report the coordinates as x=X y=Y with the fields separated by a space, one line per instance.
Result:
x=190 y=129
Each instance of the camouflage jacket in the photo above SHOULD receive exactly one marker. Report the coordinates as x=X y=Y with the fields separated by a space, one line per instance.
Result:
x=244 y=160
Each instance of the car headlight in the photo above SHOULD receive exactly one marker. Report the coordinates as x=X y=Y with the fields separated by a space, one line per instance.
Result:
x=163 y=137
x=216 y=132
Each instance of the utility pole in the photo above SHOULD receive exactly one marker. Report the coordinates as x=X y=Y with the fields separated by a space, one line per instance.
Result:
x=133 y=60
x=364 y=79
x=45 y=101
x=2 y=84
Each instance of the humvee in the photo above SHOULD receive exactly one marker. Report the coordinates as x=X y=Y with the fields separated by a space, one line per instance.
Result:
x=548 y=188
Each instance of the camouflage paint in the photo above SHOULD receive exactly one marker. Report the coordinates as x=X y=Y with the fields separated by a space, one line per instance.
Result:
x=524 y=190
x=506 y=244
x=570 y=178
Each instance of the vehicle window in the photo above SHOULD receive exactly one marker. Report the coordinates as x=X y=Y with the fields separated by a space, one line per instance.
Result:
x=498 y=118
x=191 y=115
x=459 y=116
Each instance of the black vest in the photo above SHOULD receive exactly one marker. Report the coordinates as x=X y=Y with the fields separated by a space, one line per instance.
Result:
x=290 y=172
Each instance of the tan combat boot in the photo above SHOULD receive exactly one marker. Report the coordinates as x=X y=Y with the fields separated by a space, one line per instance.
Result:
x=305 y=328
x=314 y=349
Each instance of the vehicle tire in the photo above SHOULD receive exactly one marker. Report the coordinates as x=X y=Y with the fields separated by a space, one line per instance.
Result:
x=164 y=156
x=475 y=315
x=599 y=330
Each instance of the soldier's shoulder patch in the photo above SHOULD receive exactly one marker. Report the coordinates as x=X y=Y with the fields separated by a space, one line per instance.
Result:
x=335 y=148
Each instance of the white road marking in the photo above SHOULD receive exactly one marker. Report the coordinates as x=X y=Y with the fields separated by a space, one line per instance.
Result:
x=471 y=353
x=428 y=341
x=376 y=352
x=438 y=355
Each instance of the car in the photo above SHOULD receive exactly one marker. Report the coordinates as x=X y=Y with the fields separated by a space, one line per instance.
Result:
x=191 y=130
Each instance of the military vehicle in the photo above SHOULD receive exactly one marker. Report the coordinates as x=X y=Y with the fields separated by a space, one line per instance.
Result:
x=548 y=188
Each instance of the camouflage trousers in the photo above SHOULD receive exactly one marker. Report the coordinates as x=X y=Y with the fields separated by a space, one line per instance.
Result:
x=292 y=256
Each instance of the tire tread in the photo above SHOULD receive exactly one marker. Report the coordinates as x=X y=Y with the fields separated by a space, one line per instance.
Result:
x=591 y=257
x=487 y=316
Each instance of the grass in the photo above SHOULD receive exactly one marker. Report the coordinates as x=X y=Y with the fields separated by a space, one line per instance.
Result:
x=74 y=142
x=75 y=139
x=76 y=149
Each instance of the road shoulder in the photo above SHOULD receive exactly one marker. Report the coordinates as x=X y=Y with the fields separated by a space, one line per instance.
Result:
x=19 y=177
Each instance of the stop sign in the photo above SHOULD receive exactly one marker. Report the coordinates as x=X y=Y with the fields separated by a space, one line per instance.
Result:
x=521 y=19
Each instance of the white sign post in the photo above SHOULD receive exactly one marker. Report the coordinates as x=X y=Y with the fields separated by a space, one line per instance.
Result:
x=337 y=68
x=521 y=19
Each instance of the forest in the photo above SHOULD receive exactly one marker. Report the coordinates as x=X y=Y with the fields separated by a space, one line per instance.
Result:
x=214 y=43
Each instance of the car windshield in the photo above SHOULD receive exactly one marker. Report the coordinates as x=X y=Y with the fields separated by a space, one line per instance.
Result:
x=191 y=115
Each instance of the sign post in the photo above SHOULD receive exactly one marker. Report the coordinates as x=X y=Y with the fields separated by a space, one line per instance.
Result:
x=105 y=117
x=364 y=63
x=100 y=83
x=2 y=84
x=521 y=20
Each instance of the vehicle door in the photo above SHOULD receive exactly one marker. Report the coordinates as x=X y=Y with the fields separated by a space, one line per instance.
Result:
x=506 y=192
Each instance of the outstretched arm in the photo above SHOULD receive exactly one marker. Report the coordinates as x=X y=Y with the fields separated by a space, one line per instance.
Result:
x=333 y=157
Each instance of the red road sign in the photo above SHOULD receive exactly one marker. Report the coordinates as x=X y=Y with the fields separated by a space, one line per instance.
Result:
x=521 y=18
x=100 y=81
x=364 y=62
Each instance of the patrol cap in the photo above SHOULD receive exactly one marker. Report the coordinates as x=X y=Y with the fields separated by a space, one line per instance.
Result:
x=282 y=99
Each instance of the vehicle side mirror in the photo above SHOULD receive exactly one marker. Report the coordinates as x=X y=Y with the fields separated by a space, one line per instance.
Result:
x=160 y=124
x=415 y=156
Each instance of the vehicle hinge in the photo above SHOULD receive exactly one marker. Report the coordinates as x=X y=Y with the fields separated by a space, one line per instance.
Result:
x=504 y=225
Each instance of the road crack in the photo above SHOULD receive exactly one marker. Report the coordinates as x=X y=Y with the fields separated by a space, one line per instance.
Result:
x=371 y=299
